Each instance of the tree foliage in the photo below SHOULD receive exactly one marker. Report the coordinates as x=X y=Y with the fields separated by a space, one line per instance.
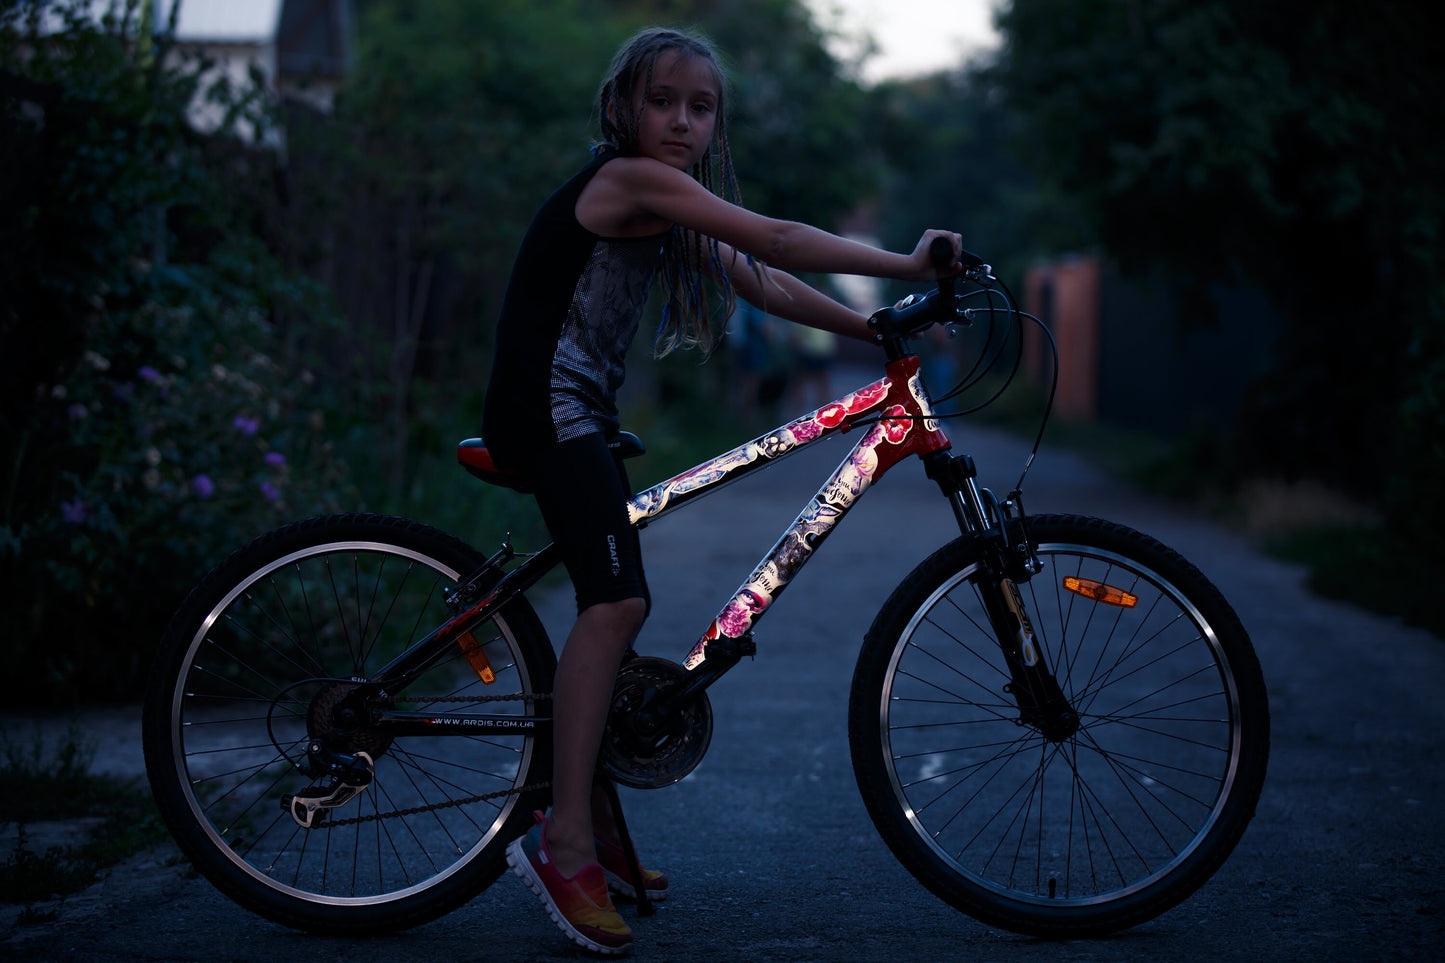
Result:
x=1295 y=146
x=460 y=118
x=411 y=199
x=196 y=329
x=799 y=146
x=944 y=139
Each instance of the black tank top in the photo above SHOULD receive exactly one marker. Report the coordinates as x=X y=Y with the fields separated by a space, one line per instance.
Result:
x=570 y=313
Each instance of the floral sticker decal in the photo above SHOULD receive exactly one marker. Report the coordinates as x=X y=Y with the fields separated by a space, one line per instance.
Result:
x=889 y=438
x=653 y=501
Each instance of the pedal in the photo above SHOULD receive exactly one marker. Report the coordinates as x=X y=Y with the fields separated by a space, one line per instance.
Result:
x=344 y=782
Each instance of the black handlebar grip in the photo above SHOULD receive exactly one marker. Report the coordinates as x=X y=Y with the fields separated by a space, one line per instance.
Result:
x=940 y=251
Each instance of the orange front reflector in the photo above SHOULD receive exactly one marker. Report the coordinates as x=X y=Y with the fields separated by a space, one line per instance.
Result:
x=1100 y=592
x=477 y=657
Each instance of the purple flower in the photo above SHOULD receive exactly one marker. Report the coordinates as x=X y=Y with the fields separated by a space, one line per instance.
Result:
x=147 y=373
x=203 y=485
x=76 y=412
x=270 y=491
x=246 y=426
x=73 y=512
x=275 y=458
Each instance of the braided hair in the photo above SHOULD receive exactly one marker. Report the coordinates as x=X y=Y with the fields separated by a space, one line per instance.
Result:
x=685 y=314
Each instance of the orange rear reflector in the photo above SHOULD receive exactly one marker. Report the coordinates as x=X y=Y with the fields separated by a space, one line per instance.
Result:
x=477 y=657
x=1100 y=592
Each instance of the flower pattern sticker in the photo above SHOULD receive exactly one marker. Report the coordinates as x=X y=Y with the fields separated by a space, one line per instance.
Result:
x=669 y=494
x=843 y=488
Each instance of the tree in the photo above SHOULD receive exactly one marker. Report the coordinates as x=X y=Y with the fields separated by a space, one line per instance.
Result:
x=945 y=142
x=1295 y=146
x=460 y=118
x=453 y=126
x=800 y=149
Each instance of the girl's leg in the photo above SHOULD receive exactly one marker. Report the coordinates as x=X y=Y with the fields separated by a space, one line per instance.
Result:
x=582 y=491
x=581 y=696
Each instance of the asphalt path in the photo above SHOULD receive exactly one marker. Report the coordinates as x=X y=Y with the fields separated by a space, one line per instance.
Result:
x=770 y=851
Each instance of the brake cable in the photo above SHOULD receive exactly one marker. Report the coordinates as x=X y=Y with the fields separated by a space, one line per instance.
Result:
x=975 y=374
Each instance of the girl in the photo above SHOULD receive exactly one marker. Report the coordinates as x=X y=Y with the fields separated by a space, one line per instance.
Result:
x=643 y=206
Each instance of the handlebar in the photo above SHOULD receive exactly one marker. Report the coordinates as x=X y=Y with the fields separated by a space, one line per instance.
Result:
x=940 y=252
x=916 y=313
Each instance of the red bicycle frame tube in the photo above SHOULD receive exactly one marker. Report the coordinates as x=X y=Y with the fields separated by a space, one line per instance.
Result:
x=899 y=422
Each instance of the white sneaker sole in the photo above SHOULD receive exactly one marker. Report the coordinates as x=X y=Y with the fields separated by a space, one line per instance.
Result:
x=623 y=887
x=522 y=867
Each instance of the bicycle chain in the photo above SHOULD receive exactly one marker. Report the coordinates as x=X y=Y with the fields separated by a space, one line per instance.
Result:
x=449 y=804
x=513 y=697
x=453 y=803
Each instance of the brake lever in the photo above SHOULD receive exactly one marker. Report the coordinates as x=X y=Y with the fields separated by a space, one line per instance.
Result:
x=980 y=274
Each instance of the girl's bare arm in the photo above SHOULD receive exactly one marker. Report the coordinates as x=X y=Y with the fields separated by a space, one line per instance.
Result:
x=632 y=191
x=784 y=296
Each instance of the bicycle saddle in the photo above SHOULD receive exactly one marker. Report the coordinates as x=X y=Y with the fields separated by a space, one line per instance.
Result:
x=472 y=454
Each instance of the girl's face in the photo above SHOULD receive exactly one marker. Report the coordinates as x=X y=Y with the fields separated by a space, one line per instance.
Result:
x=678 y=113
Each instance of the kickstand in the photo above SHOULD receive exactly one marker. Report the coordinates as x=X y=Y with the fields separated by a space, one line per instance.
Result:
x=634 y=868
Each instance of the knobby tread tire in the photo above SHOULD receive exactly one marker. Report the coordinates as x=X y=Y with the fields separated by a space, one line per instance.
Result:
x=934 y=865
x=179 y=807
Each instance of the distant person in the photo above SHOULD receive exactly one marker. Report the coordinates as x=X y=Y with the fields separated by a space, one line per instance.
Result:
x=647 y=204
x=749 y=339
x=813 y=353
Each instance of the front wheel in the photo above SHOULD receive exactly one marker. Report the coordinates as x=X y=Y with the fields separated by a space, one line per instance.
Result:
x=269 y=656
x=1061 y=833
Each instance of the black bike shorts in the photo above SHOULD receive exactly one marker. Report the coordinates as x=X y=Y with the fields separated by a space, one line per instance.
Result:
x=582 y=491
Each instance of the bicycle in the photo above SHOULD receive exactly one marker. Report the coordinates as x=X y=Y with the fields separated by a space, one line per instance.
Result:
x=1057 y=724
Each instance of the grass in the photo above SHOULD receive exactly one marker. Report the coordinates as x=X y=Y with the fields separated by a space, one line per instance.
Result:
x=1348 y=552
x=1368 y=567
x=40 y=785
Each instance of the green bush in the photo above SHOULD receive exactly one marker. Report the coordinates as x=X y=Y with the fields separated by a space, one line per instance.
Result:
x=174 y=449
x=154 y=413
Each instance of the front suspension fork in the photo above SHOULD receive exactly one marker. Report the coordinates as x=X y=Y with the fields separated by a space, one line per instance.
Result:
x=1009 y=560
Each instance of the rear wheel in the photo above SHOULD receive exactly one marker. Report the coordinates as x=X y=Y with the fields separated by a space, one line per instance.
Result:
x=1062 y=833
x=268 y=654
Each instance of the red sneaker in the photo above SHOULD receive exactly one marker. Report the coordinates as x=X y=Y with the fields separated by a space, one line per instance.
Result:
x=579 y=905
x=619 y=877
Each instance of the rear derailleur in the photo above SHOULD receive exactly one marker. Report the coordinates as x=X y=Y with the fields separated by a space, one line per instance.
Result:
x=340 y=777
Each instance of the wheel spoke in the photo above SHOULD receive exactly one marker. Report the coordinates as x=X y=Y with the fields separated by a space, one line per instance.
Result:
x=278 y=664
x=1038 y=820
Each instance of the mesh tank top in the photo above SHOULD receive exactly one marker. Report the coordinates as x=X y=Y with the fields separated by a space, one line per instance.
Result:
x=570 y=313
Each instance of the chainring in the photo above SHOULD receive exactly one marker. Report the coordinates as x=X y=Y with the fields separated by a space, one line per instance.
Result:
x=646 y=751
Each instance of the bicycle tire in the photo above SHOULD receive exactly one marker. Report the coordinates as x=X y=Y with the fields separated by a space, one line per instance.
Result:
x=286 y=624
x=1087 y=834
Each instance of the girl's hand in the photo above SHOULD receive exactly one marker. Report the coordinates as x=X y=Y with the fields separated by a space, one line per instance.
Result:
x=923 y=268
